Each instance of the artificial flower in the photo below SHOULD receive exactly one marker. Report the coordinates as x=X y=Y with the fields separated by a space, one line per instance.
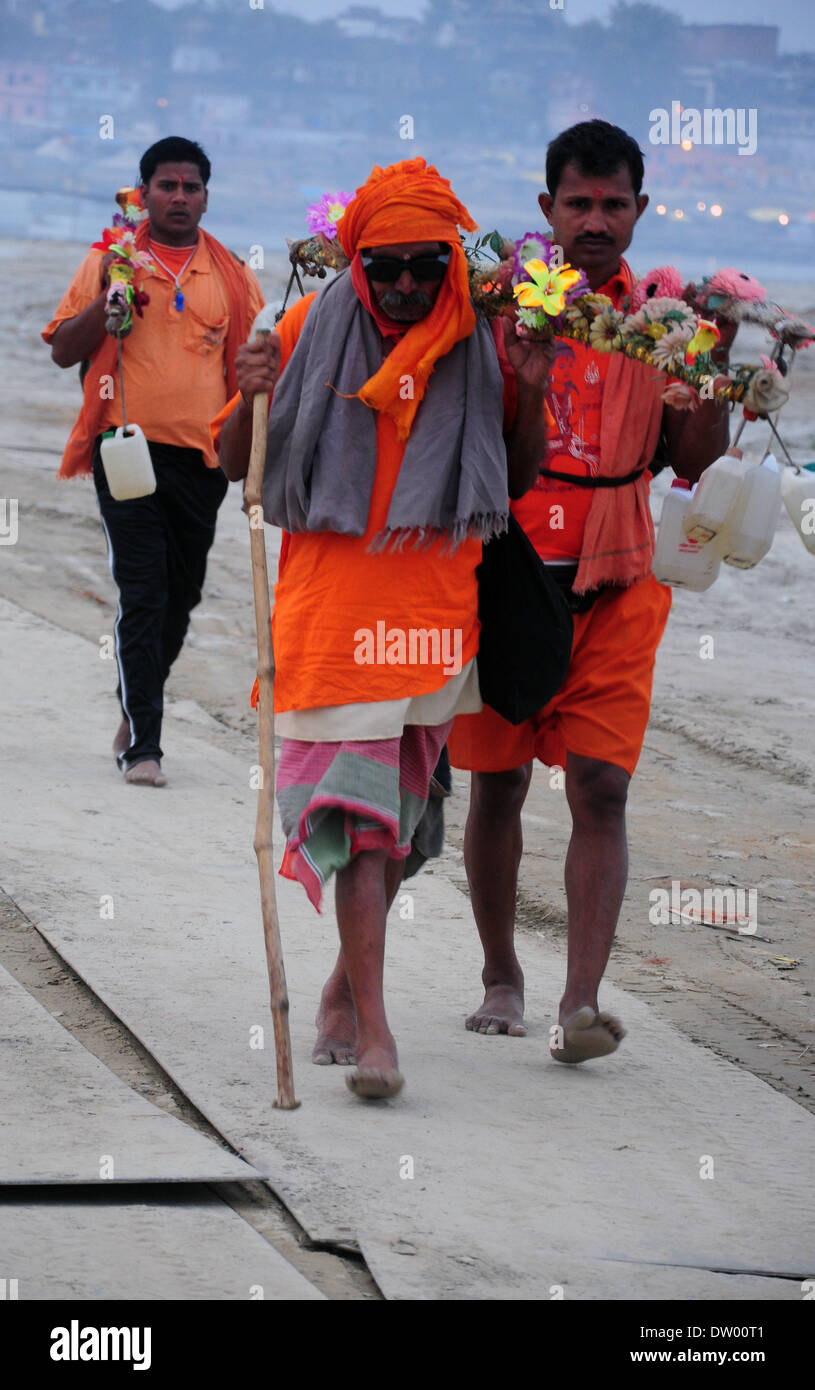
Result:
x=665 y=312
x=790 y=329
x=604 y=332
x=533 y=246
x=668 y=309
x=130 y=216
x=662 y=283
x=579 y=288
x=735 y=284
x=546 y=288
x=669 y=352
x=323 y=217
x=764 y=393
x=533 y=318
x=706 y=337
x=108 y=236
x=576 y=318
x=681 y=396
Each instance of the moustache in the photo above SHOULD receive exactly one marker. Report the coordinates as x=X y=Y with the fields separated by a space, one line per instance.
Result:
x=392 y=299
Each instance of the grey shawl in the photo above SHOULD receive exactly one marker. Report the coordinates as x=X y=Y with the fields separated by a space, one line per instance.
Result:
x=321 y=453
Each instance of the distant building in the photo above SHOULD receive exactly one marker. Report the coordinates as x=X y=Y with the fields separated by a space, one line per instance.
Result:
x=367 y=22
x=24 y=93
x=223 y=109
x=195 y=59
x=720 y=43
x=80 y=95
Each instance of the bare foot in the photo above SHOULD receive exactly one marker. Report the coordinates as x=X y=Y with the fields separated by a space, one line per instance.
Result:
x=336 y=1027
x=121 y=743
x=146 y=774
x=586 y=1034
x=377 y=1076
x=501 y=1012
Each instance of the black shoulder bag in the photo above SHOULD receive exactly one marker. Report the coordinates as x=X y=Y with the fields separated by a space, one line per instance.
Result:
x=526 y=627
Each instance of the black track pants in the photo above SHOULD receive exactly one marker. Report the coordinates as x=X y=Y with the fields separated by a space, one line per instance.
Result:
x=157 y=547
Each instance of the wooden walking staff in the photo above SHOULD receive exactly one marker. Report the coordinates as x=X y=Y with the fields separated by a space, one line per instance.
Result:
x=264 y=824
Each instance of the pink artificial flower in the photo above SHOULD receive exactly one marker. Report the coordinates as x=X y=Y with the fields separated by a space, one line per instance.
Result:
x=768 y=363
x=681 y=396
x=662 y=283
x=736 y=285
x=322 y=217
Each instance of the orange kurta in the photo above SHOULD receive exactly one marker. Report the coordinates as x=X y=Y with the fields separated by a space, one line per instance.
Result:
x=601 y=711
x=553 y=513
x=330 y=589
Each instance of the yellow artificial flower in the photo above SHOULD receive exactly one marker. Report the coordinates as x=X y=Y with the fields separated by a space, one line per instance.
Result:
x=546 y=288
x=706 y=336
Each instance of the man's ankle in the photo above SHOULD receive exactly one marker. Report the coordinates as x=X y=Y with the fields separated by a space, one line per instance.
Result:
x=504 y=972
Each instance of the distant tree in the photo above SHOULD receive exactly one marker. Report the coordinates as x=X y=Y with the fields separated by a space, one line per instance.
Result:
x=642 y=67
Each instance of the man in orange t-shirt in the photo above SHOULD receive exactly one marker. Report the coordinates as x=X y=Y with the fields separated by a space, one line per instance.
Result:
x=594 y=726
x=178 y=367
x=384 y=498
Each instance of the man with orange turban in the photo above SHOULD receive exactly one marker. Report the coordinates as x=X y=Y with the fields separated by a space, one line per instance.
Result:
x=387 y=467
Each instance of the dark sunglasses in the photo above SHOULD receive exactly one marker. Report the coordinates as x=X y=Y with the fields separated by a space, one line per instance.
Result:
x=387 y=269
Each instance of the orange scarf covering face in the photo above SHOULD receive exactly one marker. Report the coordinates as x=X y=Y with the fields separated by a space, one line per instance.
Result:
x=407 y=202
x=78 y=454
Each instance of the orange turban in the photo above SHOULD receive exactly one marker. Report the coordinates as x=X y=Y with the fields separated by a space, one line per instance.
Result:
x=410 y=201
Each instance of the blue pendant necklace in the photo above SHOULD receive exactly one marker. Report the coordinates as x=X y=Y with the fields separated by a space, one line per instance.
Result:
x=179 y=295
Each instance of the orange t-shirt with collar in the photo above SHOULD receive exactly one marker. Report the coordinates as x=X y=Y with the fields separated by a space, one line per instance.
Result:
x=553 y=513
x=174 y=369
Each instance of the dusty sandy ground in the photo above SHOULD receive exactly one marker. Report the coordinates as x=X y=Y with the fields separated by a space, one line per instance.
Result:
x=724 y=794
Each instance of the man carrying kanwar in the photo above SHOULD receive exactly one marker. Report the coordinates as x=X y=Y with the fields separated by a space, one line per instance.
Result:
x=387 y=467
x=178 y=368
x=597 y=535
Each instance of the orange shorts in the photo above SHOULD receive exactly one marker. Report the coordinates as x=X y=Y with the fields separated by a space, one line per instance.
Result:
x=601 y=710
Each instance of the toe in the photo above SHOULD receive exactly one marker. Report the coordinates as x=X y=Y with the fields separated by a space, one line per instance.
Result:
x=613 y=1025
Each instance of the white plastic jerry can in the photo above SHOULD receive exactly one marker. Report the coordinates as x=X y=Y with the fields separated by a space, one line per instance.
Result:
x=714 y=496
x=683 y=563
x=798 y=493
x=754 y=517
x=127 y=464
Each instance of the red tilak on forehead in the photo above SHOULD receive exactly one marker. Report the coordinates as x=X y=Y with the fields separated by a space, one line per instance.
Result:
x=597 y=192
